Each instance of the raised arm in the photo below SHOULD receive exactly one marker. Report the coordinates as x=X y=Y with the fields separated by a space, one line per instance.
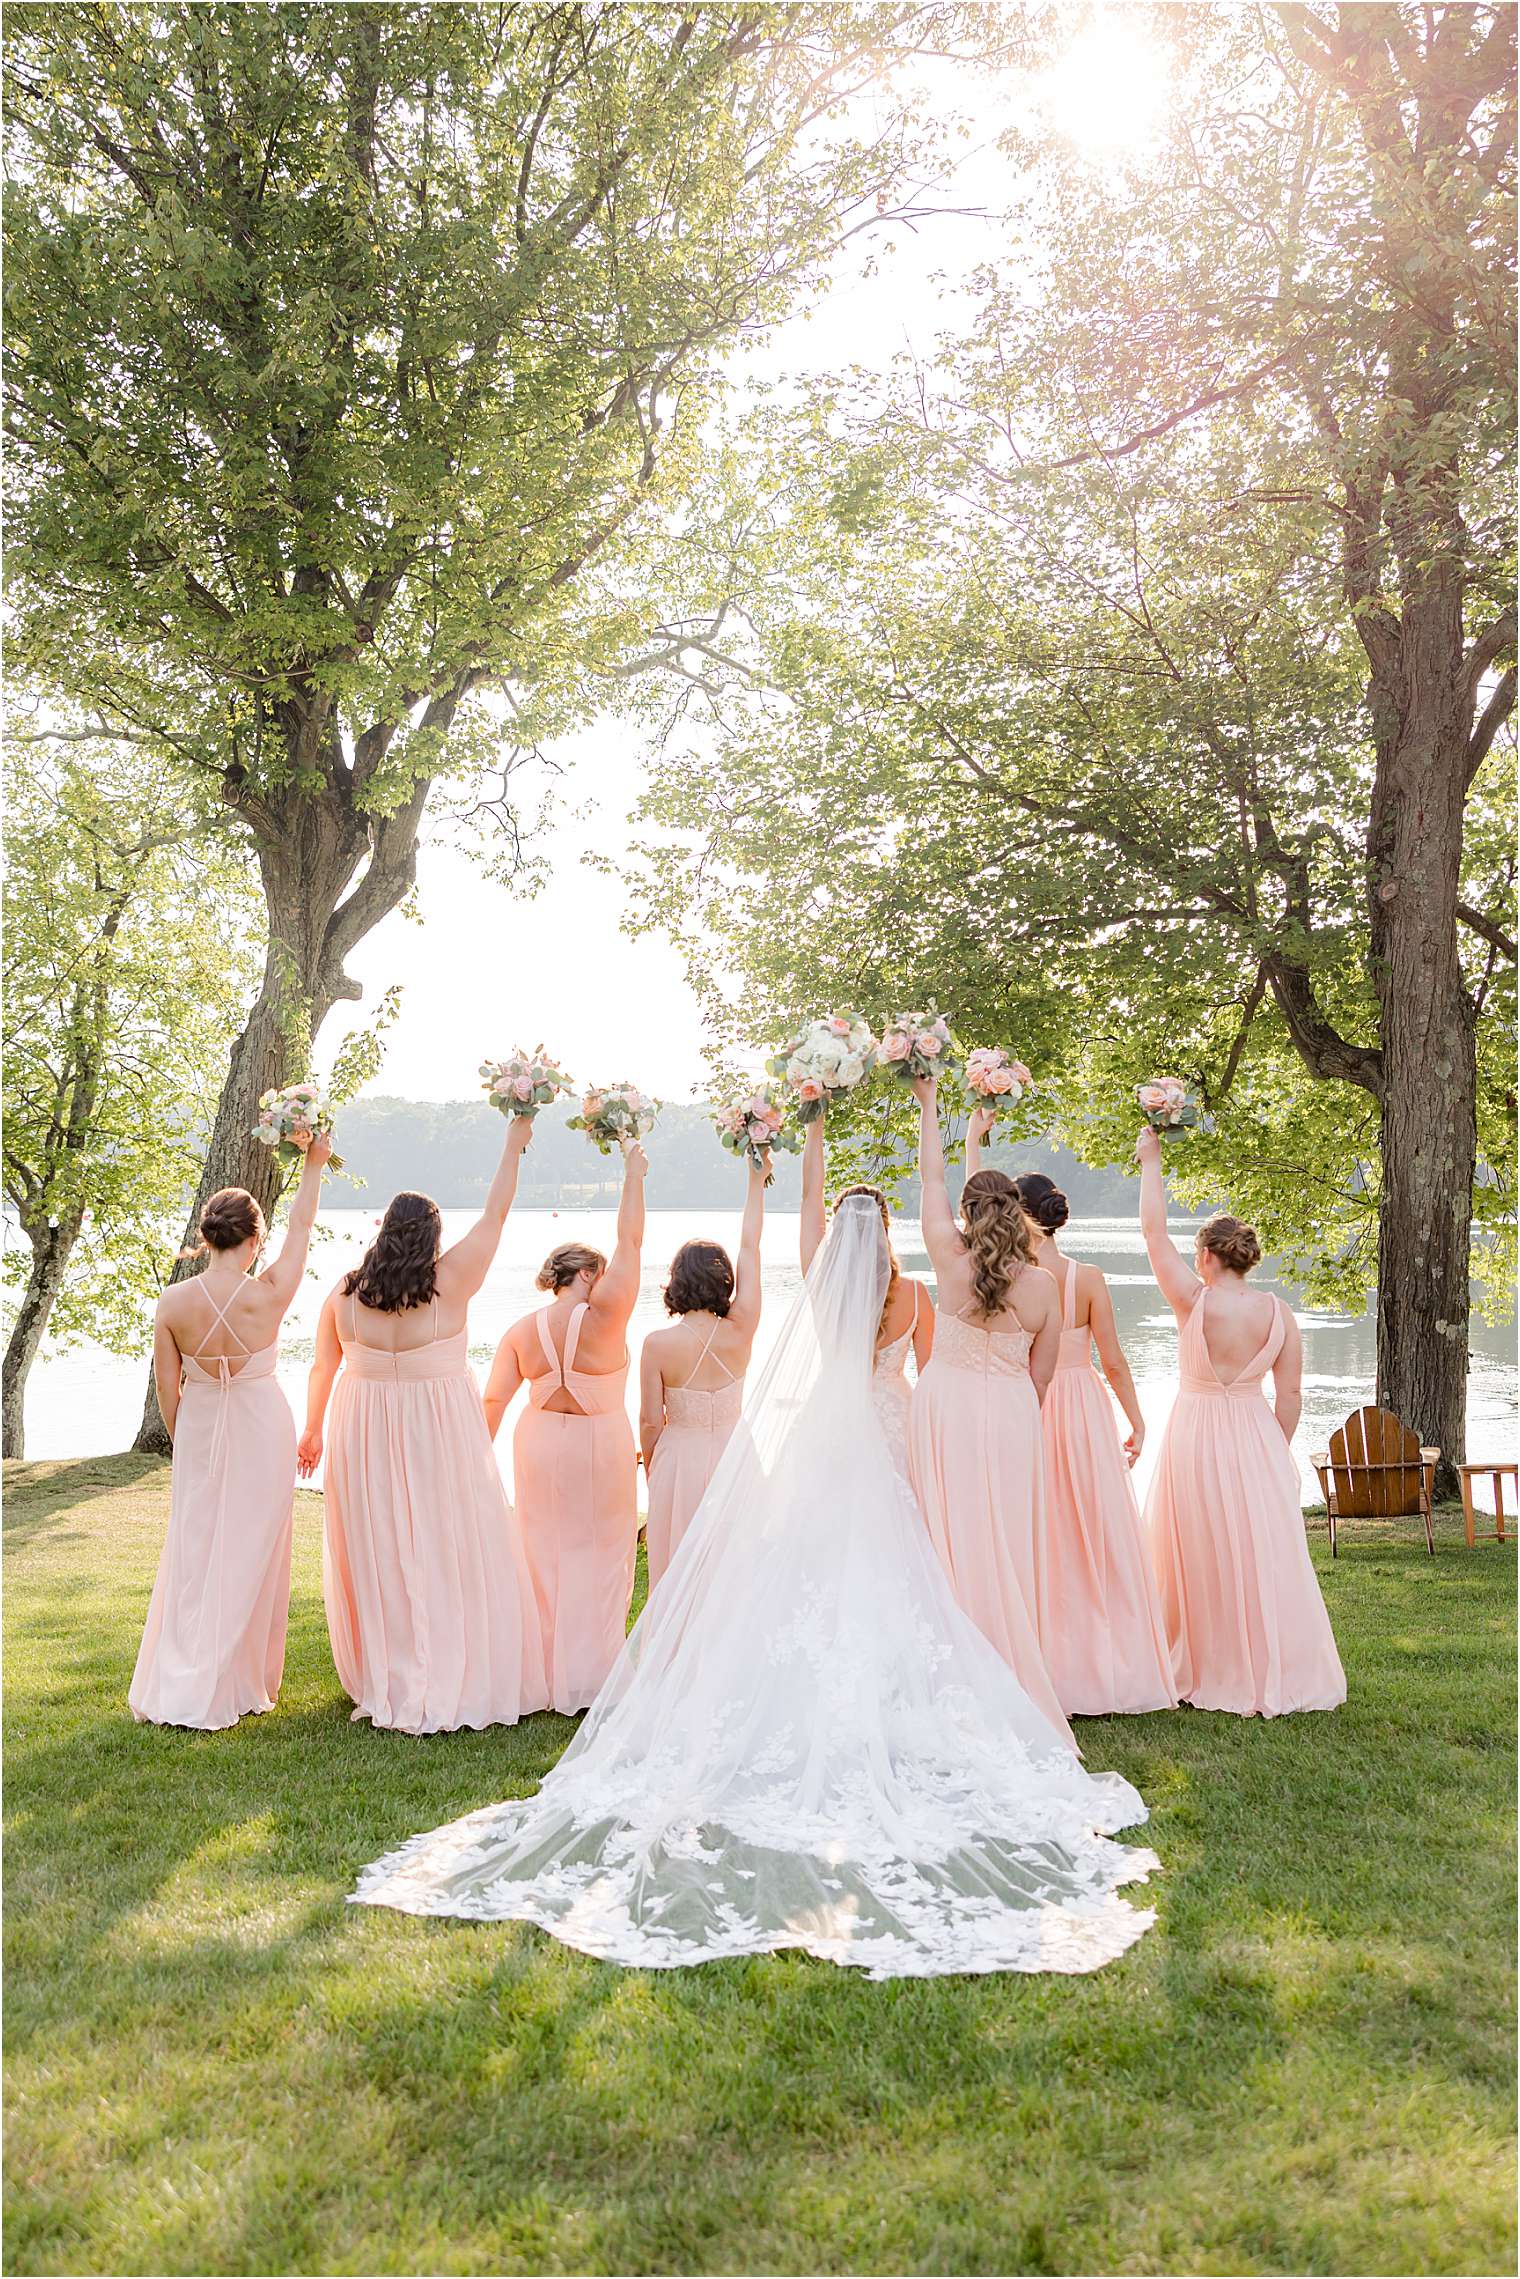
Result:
x=982 y=1121
x=283 y=1274
x=652 y=1400
x=502 y=1384
x=168 y=1370
x=616 y=1292
x=1175 y=1279
x=811 y=1225
x=935 y=1215
x=1100 y=1315
x=326 y=1361
x=465 y=1265
x=744 y=1311
x=1288 y=1380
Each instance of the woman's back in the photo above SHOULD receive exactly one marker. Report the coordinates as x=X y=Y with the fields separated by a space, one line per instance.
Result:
x=1233 y=1326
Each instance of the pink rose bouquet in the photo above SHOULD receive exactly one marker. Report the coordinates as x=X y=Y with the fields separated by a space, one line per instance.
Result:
x=1169 y=1107
x=994 y=1079
x=523 y=1083
x=753 y=1121
x=824 y=1061
x=291 y=1117
x=919 y=1044
x=614 y=1113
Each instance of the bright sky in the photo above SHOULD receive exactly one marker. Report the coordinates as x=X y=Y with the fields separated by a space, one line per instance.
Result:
x=487 y=969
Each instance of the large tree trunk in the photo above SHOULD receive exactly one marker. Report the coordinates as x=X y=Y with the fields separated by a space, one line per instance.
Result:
x=51 y=1247
x=310 y=848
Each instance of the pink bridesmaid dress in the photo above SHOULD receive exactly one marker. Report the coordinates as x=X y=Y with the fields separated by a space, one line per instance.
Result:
x=429 y=1603
x=977 y=1468
x=214 y=1644
x=1100 y=1622
x=1242 y=1605
x=577 y=1503
x=698 y=1427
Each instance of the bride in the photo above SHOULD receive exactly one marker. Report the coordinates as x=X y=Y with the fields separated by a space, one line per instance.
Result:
x=804 y=1743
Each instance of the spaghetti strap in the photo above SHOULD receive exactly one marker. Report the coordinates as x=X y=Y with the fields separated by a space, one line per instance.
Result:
x=353 y=1318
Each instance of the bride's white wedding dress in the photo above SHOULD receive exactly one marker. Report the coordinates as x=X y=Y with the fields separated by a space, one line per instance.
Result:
x=804 y=1743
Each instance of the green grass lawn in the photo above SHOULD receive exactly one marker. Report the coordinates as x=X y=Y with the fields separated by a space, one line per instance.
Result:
x=215 y=2066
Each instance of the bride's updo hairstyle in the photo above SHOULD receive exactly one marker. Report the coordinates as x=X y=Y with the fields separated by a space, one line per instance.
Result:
x=1231 y=1241
x=1041 y=1199
x=701 y=1280
x=875 y=1195
x=996 y=1233
x=400 y=1268
x=564 y=1262
x=230 y=1218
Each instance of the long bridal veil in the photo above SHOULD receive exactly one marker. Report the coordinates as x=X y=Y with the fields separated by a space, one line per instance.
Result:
x=804 y=1743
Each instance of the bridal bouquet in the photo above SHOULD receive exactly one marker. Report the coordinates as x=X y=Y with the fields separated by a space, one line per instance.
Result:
x=524 y=1083
x=919 y=1044
x=994 y=1079
x=613 y=1113
x=824 y=1061
x=756 y=1120
x=286 y=1116
x=1168 y=1106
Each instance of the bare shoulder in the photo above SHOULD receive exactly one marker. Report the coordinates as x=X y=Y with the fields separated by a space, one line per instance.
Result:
x=1092 y=1279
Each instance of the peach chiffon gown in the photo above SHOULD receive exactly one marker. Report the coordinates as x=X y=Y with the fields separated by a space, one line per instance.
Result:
x=429 y=1604
x=213 y=1647
x=1242 y=1605
x=577 y=1503
x=1100 y=1622
x=977 y=1467
x=698 y=1427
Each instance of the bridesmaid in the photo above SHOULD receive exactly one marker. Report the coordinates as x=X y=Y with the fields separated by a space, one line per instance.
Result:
x=1099 y=1618
x=214 y=1644
x=691 y=1377
x=429 y=1606
x=572 y=1453
x=974 y=1448
x=907 y=1314
x=1243 y=1610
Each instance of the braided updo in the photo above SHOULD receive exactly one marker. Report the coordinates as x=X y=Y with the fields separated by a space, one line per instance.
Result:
x=400 y=1268
x=1231 y=1241
x=996 y=1233
x=1041 y=1199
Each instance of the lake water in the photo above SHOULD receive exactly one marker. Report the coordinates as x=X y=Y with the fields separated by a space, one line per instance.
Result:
x=87 y=1403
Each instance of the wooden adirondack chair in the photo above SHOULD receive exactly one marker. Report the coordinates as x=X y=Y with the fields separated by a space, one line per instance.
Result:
x=1375 y=1468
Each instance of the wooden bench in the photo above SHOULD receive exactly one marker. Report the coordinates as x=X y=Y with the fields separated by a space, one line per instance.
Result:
x=1375 y=1468
x=1498 y=1473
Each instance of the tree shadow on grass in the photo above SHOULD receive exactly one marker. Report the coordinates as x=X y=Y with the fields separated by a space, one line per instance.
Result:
x=37 y=1493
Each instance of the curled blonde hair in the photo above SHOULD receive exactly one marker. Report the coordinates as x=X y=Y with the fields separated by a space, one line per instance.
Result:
x=567 y=1260
x=996 y=1233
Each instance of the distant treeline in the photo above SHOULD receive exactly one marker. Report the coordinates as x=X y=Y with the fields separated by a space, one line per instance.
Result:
x=449 y=1149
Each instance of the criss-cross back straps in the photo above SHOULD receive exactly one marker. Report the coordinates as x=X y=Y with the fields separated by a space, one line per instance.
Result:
x=691 y=1374
x=218 y=1321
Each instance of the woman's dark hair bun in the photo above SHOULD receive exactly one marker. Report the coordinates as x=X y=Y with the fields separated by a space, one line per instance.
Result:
x=701 y=1280
x=1041 y=1199
x=230 y=1217
x=400 y=1268
x=1231 y=1241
